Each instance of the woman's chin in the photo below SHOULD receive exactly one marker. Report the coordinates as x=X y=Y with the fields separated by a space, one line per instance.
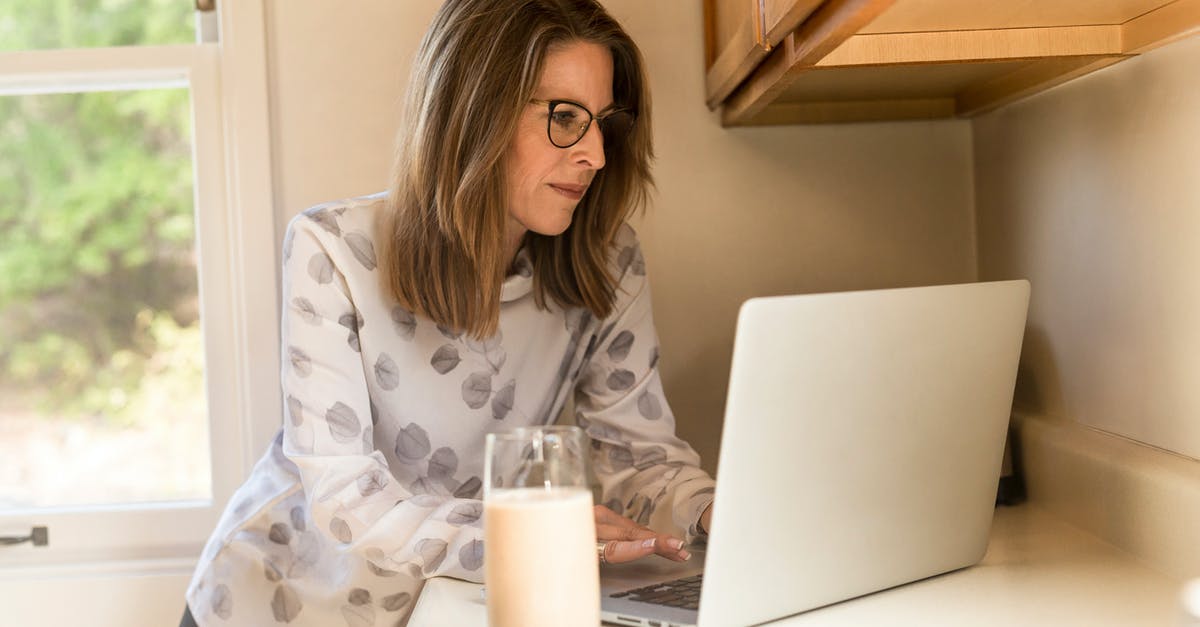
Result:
x=552 y=228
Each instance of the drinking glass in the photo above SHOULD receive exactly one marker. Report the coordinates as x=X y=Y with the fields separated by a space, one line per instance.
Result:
x=539 y=530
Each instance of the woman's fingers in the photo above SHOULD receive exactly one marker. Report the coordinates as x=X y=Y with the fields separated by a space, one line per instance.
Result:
x=630 y=543
x=617 y=551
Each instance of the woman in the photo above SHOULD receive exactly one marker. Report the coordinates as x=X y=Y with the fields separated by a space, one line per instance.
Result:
x=497 y=278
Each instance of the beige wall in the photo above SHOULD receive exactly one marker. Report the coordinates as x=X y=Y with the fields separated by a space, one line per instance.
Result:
x=1092 y=191
x=739 y=213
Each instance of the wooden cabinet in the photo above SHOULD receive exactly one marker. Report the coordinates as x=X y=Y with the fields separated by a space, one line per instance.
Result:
x=813 y=61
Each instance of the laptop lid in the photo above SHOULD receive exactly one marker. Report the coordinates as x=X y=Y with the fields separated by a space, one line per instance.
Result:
x=861 y=446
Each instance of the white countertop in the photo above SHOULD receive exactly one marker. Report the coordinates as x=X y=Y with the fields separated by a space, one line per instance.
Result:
x=1037 y=571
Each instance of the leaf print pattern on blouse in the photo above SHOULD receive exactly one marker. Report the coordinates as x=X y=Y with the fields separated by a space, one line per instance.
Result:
x=469 y=488
x=477 y=389
x=371 y=482
x=280 y=533
x=620 y=458
x=503 y=402
x=222 y=602
x=412 y=443
x=396 y=602
x=326 y=218
x=465 y=513
x=343 y=423
x=445 y=359
x=362 y=249
x=340 y=530
x=404 y=322
x=295 y=410
x=443 y=463
x=639 y=509
x=298 y=519
x=631 y=258
x=285 y=605
x=470 y=556
x=448 y=333
x=432 y=552
x=305 y=309
x=619 y=349
x=649 y=407
x=381 y=572
x=387 y=375
x=320 y=268
x=300 y=361
x=621 y=380
x=271 y=571
x=651 y=456
x=352 y=322
x=358 y=615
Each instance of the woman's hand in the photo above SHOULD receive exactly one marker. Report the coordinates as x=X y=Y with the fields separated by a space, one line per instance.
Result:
x=627 y=541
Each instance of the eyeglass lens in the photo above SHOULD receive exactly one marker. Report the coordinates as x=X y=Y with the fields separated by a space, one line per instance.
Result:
x=569 y=122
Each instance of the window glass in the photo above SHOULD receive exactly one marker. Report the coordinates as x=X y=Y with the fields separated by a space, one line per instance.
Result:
x=45 y=24
x=101 y=359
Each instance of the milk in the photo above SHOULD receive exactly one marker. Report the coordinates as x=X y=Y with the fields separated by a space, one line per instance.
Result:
x=540 y=558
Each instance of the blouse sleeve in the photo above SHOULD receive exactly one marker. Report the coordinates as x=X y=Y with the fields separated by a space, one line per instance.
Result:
x=645 y=471
x=352 y=495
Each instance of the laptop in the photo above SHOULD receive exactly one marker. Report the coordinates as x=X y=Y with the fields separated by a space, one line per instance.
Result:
x=861 y=451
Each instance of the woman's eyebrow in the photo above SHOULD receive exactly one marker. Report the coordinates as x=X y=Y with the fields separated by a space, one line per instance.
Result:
x=611 y=105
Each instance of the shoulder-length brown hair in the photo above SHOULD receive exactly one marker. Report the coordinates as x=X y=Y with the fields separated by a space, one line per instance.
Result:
x=443 y=231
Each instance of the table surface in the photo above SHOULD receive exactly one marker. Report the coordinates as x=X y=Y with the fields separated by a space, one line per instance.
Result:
x=1037 y=571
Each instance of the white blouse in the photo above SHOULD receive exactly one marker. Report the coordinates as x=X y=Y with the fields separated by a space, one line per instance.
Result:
x=374 y=482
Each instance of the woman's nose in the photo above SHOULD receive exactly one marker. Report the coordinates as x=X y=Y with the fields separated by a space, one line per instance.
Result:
x=589 y=151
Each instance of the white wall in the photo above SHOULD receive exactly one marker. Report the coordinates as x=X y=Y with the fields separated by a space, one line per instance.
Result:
x=738 y=213
x=1092 y=192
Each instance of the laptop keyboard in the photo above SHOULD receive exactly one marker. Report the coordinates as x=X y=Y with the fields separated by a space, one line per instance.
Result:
x=683 y=593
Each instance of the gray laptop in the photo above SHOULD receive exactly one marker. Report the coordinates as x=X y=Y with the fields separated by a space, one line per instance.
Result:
x=861 y=450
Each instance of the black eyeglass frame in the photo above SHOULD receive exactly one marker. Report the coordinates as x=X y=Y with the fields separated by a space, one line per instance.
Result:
x=551 y=104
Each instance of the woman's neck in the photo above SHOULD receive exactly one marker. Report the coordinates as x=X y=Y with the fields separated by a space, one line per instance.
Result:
x=512 y=244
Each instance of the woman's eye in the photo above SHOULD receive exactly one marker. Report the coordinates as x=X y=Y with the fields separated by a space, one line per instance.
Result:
x=565 y=119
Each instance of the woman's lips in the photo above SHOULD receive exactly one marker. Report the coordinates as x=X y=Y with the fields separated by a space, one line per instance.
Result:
x=574 y=192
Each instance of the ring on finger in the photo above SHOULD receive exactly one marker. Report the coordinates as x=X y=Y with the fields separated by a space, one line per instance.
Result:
x=601 y=549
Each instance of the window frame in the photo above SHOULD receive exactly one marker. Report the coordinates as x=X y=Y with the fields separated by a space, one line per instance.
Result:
x=238 y=283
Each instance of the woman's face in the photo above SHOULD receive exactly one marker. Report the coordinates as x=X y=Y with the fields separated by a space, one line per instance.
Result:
x=545 y=182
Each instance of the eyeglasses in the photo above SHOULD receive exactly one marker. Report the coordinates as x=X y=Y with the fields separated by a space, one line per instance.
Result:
x=569 y=121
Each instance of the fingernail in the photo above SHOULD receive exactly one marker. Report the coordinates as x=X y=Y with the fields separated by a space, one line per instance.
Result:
x=675 y=543
x=685 y=555
x=648 y=543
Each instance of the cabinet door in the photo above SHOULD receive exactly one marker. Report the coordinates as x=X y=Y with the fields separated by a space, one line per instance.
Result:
x=734 y=45
x=740 y=33
x=781 y=17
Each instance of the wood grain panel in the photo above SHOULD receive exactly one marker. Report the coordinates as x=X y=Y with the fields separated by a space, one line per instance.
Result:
x=1038 y=75
x=853 y=111
x=736 y=47
x=908 y=16
x=820 y=34
x=784 y=16
x=1170 y=23
x=906 y=82
x=975 y=45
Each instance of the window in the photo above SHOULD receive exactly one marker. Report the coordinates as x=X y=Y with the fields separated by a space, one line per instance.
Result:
x=137 y=311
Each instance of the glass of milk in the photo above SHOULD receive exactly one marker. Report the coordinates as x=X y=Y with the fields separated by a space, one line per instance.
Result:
x=539 y=531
